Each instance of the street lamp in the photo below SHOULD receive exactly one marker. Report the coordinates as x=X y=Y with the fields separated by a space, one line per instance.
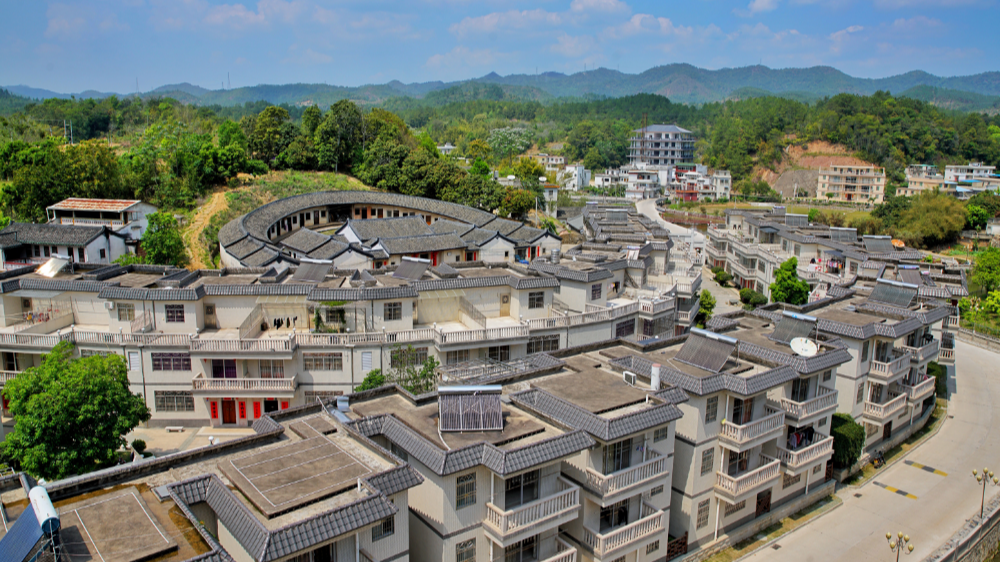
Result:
x=985 y=478
x=900 y=543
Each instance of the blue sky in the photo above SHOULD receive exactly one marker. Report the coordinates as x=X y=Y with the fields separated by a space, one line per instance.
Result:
x=105 y=45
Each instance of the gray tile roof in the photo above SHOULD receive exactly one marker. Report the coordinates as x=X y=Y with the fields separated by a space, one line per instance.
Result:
x=503 y=226
x=305 y=240
x=270 y=289
x=369 y=229
x=328 y=251
x=603 y=428
x=232 y=232
x=596 y=273
x=52 y=285
x=133 y=294
x=260 y=258
x=243 y=248
x=362 y=293
x=419 y=244
x=710 y=383
x=52 y=234
x=444 y=226
x=486 y=281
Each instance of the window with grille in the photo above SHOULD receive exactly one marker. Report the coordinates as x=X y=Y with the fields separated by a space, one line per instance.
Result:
x=864 y=352
x=456 y=357
x=499 y=353
x=789 y=480
x=393 y=311
x=126 y=312
x=87 y=353
x=626 y=328
x=821 y=422
x=171 y=361
x=614 y=515
x=543 y=343
x=735 y=507
x=661 y=433
x=711 y=409
x=652 y=547
x=817 y=468
x=399 y=452
x=861 y=393
x=827 y=376
x=656 y=491
x=173 y=401
x=465 y=493
x=407 y=357
x=702 y=520
x=595 y=292
x=270 y=369
x=707 y=460
x=174 y=312
x=323 y=361
x=466 y=551
x=536 y=300
x=383 y=529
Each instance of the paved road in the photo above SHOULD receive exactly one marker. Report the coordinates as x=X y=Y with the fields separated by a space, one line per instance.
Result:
x=856 y=530
x=648 y=208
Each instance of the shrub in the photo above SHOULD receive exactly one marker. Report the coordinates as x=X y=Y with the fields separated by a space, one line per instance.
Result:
x=722 y=278
x=848 y=440
x=138 y=445
x=940 y=374
x=715 y=269
x=745 y=295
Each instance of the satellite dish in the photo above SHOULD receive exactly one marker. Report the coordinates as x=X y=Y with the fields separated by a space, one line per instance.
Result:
x=804 y=347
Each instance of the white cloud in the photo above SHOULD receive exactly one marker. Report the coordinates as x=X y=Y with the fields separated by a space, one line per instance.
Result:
x=598 y=6
x=306 y=57
x=463 y=57
x=844 y=33
x=239 y=16
x=897 y=4
x=916 y=23
x=574 y=47
x=64 y=20
x=758 y=6
x=646 y=23
x=511 y=20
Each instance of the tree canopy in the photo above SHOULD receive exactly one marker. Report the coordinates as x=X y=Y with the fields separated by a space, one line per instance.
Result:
x=986 y=272
x=71 y=415
x=162 y=242
x=787 y=286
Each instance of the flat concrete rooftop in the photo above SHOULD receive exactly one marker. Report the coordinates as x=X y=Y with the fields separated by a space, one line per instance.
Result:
x=587 y=385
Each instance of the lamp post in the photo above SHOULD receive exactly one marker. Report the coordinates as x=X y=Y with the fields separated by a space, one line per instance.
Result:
x=899 y=543
x=985 y=478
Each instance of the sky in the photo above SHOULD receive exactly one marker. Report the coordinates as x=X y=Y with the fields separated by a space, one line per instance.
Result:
x=108 y=45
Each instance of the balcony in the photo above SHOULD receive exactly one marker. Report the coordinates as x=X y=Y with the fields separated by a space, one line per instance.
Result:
x=799 y=458
x=731 y=488
x=113 y=224
x=743 y=437
x=264 y=348
x=924 y=353
x=800 y=411
x=113 y=338
x=361 y=338
x=897 y=365
x=482 y=336
x=208 y=386
x=881 y=413
x=537 y=516
x=951 y=323
x=33 y=341
x=687 y=316
x=607 y=486
x=7 y=376
x=946 y=355
x=564 y=552
x=614 y=540
x=656 y=307
x=917 y=392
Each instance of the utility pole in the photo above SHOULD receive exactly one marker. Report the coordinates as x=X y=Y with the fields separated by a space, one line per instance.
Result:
x=71 y=131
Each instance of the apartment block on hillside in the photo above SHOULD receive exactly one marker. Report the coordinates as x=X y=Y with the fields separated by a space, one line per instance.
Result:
x=661 y=145
x=862 y=184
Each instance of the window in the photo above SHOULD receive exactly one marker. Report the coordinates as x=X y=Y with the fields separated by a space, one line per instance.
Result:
x=735 y=507
x=817 y=468
x=392 y=311
x=173 y=401
x=703 y=507
x=595 y=292
x=80 y=255
x=617 y=456
x=499 y=353
x=789 y=480
x=83 y=353
x=103 y=253
x=864 y=352
x=175 y=312
x=614 y=515
x=536 y=300
x=661 y=433
x=707 y=460
x=821 y=422
x=800 y=390
x=652 y=547
x=711 y=409
x=861 y=393
x=522 y=551
x=272 y=369
x=656 y=491
x=126 y=312
x=407 y=357
x=323 y=361
x=383 y=528
x=543 y=343
x=625 y=329
x=399 y=452
x=827 y=376
x=520 y=490
x=456 y=357
x=171 y=361
x=466 y=551
x=465 y=493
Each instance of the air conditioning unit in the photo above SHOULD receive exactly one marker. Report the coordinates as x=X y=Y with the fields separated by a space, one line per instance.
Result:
x=110 y=305
x=629 y=377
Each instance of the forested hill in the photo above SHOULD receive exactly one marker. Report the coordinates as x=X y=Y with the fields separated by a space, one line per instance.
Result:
x=679 y=82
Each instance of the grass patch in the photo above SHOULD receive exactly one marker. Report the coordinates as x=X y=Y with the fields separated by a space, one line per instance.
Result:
x=785 y=526
x=711 y=208
x=868 y=471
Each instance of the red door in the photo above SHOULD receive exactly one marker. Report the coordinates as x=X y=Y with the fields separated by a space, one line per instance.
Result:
x=228 y=411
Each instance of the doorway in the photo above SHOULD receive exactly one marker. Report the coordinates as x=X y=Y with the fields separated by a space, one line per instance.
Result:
x=270 y=405
x=504 y=305
x=229 y=411
x=763 y=503
x=887 y=431
x=210 y=316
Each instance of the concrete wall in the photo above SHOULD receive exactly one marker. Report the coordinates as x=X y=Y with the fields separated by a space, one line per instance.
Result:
x=974 y=542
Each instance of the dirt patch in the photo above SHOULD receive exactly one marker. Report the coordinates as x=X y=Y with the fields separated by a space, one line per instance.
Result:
x=801 y=164
x=196 y=252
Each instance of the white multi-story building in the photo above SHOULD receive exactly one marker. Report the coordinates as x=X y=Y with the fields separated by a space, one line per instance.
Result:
x=862 y=184
x=970 y=172
x=722 y=184
x=661 y=145
x=574 y=176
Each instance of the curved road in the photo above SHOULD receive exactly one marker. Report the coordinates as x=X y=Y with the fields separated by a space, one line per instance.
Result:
x=856 y=530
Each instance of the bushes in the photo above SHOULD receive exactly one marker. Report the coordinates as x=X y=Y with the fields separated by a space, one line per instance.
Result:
x=752 y=299
x=722 y=278
x=848 y=440
x=940 y=374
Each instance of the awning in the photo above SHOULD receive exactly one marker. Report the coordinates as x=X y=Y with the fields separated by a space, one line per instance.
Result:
x=443 y=294
x=768 y=230
x=834 y=253
x=27 y=294
x=281 y=299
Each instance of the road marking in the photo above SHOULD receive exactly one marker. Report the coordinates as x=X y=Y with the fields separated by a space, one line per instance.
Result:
x=895 y=490
x=930 y=469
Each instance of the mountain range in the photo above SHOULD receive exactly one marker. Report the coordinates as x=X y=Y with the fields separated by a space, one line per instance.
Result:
x=679 y=82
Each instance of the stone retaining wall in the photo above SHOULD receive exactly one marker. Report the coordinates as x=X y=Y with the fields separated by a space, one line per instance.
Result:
x=979 y=340
x=973 y=543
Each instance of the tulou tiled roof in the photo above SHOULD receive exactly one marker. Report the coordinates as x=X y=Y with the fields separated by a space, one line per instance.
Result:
x=369 y=229
x=711 y=382
x=305 y=240
x=420 y=244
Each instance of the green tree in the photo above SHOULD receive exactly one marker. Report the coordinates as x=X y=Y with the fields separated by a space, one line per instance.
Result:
x=475 y=191
x=339 y=137
x=891 y=210
x=706 y=307
x=976 y=217
x=787 y=286
x=374 y=379
x=848 y=440
x=231 y=134
x=480 y=168
x=425 y=142
x=507 y=142
x=71 y=415
x=409 y=372
x=268 y=139
x=311 y=118
x=722 y=278
x=986 y=271
x=162 y=243
x=528 y=170
x=516 y=203
x=478 y=149
x=933 y=218
x=814 y=215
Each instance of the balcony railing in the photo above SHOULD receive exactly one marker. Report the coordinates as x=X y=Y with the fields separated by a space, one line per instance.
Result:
x=735 y=486
x=527 y=515
x=951 y=322
x=92 y=222
x=615 y=539
x=802 y=410
x=34 y=340
x=687 y=316
x=806 y=455
x=204 y=384
x=743 y=434
x=946 y=355
x=111 y=338
x=243 y=346
x=564 y=552
x=327 y=340
x=882 y=412
x=651 y=307
x=610 y=484
x=484 y=336
x=919 y=391
x=7 y=376
x=920 y=354
x=885 y=370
